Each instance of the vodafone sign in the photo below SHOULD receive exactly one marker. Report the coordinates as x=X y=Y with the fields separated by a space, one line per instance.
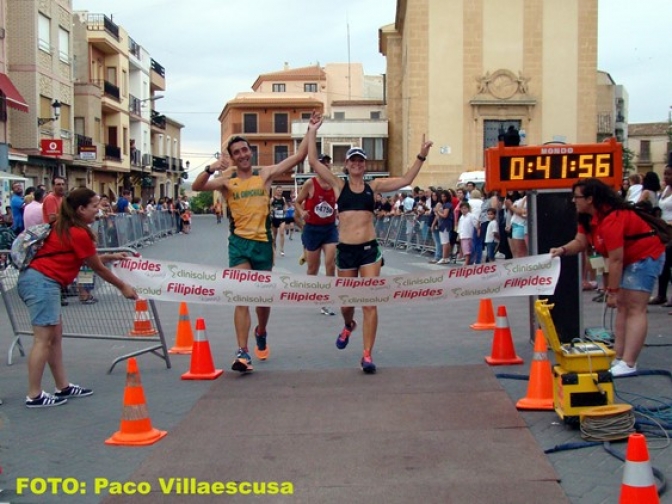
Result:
x=51 y=147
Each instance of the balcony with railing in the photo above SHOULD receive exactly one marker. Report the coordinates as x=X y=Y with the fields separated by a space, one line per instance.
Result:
x=111 y=91
x=134 y=48
x=134 y=106
x=112 y=153
x=136 y=158
x=157 y=76
x=173 y=163
x=81 y=140
x=104 y=33
x=159 y=164
x=158 y=120
x=261 y=128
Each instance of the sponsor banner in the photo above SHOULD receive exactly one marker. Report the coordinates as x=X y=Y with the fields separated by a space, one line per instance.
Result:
x=193 y=283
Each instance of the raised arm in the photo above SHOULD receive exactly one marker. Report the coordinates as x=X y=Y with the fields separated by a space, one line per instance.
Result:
x=270 y=173
x=203 y=181
x=392 y=184
x=322 y=170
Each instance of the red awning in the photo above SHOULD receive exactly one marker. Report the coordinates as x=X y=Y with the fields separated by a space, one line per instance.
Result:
x=14 y=98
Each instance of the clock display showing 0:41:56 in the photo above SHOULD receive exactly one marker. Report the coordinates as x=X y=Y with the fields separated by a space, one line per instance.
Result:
x=556 y=167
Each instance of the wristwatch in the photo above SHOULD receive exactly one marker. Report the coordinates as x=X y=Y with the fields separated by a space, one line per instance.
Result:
x=207 y=170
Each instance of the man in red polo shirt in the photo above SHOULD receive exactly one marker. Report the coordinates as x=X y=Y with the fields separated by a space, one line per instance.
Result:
x=52 y=202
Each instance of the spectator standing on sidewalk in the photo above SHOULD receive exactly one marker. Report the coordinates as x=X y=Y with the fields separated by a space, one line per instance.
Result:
x=316 y=207
x=32 y=214
x=250 y=246
x=467 y=228
x=665 y=204
x=358 y=252
x=56 y=265
x=51 y=205
x=636 y=257
x=16 y=204
x=443 y=218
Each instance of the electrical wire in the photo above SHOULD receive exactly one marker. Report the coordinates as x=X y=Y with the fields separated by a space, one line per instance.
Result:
x=607 y=428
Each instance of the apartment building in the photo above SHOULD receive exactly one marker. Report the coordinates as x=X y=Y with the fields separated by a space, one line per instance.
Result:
x=119 y=85
x=77 y=96
x=461 y=71
x=274 y=116
x=651 y=144
x=39 y=60
x=11 y=100
x=612 y=109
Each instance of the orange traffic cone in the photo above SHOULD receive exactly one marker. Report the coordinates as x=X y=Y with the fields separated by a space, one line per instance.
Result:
x=184 y=339
x=486 y=316
x=503 y=352
x=136 y=427
x=638 y=483
x=202 y=365
x=540 y=387
x=142 y=325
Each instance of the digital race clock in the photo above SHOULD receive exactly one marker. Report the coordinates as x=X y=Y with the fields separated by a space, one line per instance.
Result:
x=553 y=166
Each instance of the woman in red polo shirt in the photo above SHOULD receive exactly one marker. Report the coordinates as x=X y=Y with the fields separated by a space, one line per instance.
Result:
x=635 y=259
x=70 y=245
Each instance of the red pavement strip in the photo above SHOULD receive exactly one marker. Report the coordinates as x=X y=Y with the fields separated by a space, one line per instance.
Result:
x=434 y=434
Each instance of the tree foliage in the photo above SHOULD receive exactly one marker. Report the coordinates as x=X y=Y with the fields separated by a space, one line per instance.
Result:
x=202 y=202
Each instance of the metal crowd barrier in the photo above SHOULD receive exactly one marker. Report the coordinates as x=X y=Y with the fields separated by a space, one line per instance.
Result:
x=408 y=232
x=113 y=317
x=134 y=230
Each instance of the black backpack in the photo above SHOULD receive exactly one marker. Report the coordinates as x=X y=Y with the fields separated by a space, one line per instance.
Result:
x=658 y=226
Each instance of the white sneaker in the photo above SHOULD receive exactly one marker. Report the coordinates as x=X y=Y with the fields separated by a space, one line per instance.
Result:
x=622 y=369
x=443 y=261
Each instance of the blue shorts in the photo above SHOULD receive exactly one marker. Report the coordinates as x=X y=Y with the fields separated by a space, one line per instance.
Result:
x=314 y=237
x=42 y=296
x=259 y=255
x=517 y=231
x=642 y=275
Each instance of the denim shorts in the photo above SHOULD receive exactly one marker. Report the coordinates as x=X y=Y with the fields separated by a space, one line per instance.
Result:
x=42 y=296
x=642 y=275
x=517 y=231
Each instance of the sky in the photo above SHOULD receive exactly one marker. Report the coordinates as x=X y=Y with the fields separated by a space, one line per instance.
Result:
x=214 y=49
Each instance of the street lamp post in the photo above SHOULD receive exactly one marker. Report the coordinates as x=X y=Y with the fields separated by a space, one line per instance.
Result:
x=56 y=110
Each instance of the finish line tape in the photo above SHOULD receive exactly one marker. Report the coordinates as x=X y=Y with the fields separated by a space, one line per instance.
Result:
x=193 y=283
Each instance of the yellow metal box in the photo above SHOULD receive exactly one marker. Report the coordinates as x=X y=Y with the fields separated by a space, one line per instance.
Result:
x=579 y=357
x=574 y=392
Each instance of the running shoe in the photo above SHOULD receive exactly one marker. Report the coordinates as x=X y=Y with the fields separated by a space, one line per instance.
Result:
x=327 y=311
x=72 y=391
x=344 y=337
x=243 y=362
x=45 y=400
x=367 y=364
x=261 y=350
